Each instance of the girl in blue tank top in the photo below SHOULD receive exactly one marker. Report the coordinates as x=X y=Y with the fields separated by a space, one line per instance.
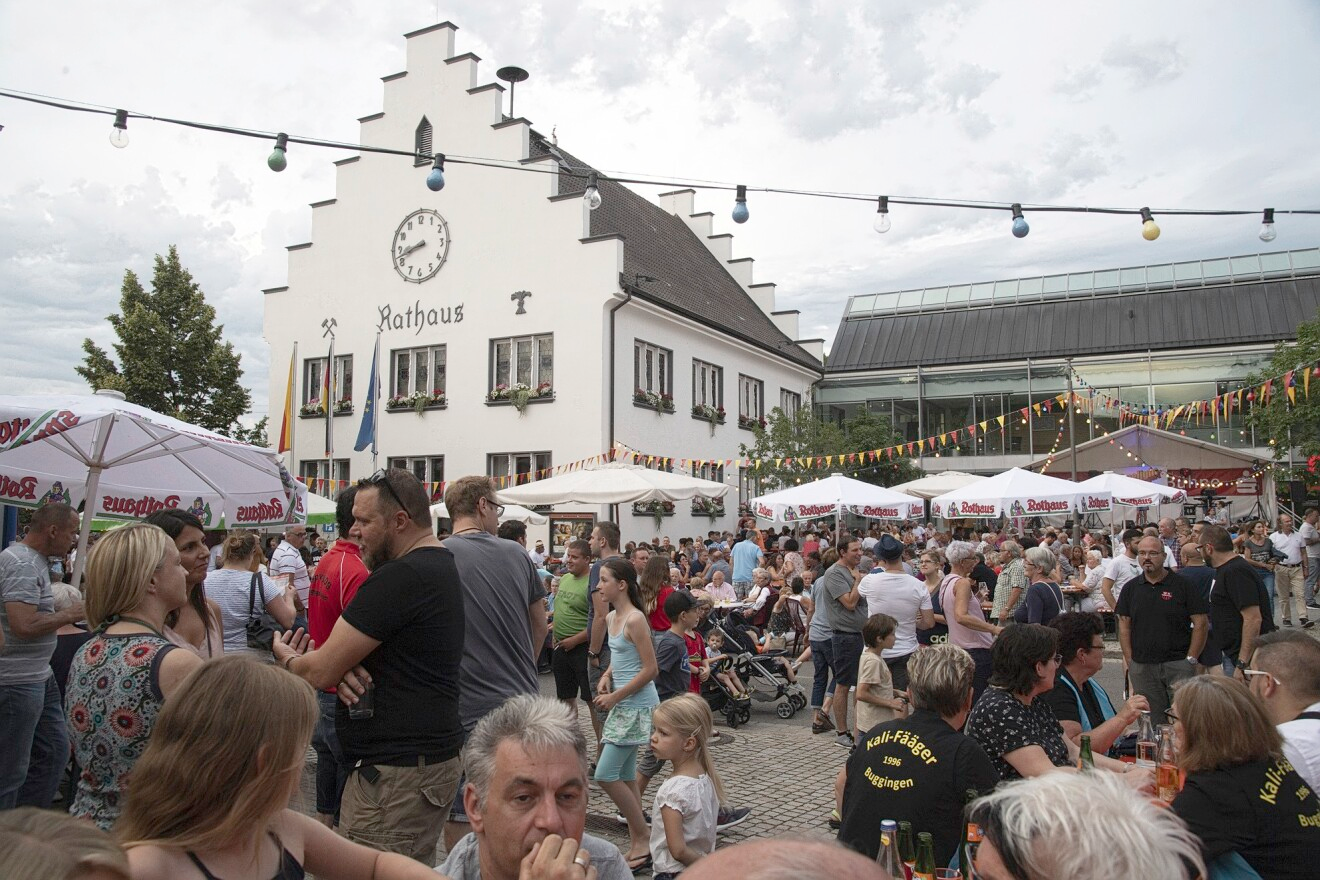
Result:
x=627 y=692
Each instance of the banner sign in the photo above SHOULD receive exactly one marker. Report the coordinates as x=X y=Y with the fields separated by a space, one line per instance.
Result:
x=34 y=490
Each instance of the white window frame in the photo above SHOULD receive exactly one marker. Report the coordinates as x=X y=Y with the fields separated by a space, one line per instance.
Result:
x=751 y=398
x=653 y=368
x=507 y=464
x=432 y=466
x=707 y=384
x=538 y=344
x=433 y=353
x=789 y=402
x=318 y=469
x=709 y=471
x=314 y=377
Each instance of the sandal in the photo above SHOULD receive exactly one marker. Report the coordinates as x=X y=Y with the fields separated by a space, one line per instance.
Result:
x=638 y=864
x=824 y=725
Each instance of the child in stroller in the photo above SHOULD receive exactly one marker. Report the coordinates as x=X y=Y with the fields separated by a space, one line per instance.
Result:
x=767 y=677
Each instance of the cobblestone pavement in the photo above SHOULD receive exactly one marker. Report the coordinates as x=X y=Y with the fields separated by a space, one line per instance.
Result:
x=775 y=766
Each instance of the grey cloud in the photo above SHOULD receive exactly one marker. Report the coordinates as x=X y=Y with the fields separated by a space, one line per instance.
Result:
x=1147 y=63
x=1079 y=83
x=229 y=189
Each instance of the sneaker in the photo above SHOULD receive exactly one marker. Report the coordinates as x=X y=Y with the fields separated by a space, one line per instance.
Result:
x=1287 y=622
x=822 y=725
x=836 y=821
x=1312 y=605
x=845 y=740
x=619 y=817
x=1307 y=624
x=731 y=816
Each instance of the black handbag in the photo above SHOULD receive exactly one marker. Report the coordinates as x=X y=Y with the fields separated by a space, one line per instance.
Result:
x=261 y=627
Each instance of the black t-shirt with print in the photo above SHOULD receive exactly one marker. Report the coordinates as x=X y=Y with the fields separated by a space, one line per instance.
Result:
x=413 y=606
x=1001 y=724
x=913 y=769
x=1262 y=810
x=1160 y=616
x=1237 y=586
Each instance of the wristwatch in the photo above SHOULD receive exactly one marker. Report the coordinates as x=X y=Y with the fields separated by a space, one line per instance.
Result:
x=1191 y=660
x=591 y=655
x=1240 y=663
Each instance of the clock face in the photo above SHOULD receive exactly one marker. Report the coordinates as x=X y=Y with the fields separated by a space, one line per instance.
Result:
x=421 y=244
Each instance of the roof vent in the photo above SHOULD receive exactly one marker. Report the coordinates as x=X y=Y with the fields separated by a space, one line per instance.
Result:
x=110 y=392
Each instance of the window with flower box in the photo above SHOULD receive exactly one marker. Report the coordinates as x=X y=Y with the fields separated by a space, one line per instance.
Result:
x=417 y=377
x=426 y=468
x=522 y=367
x=751 y=402
x=707 y=391
x=314 y=385
x=653 y=376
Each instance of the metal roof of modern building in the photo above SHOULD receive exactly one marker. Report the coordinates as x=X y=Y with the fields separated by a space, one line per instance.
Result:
x=690 y=280
x=1259 y=298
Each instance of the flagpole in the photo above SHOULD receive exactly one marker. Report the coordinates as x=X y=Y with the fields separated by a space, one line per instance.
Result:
x=330 y=417
x=291 y=395
x=375 y=401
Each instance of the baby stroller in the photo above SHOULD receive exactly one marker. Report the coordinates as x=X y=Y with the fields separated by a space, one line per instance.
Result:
x=735 y=709
x=759 y=672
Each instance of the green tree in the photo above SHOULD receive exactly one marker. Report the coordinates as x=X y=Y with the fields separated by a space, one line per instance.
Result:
x=1280 y=420
x=255 y=436
x=794 y=439
x=170 y=356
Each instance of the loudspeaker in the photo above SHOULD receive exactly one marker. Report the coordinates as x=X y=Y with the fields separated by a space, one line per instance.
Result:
x=1297 y=491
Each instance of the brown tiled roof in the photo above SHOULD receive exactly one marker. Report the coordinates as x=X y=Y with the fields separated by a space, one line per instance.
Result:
x=692 y=281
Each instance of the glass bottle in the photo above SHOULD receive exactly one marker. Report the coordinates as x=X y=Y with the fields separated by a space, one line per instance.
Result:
x=1167 y=783
x=1085 y=760
x=1147 y=745
x=971 y=836
x=924 y=868
x=906 y=850
x=888 y=854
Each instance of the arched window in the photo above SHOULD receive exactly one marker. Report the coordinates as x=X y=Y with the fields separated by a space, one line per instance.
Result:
x=423 y=143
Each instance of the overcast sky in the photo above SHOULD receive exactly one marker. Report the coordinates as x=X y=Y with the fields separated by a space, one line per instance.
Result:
x=1172 y=104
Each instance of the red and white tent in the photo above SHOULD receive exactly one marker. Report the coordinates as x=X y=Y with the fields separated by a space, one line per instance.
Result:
x=1016 y=492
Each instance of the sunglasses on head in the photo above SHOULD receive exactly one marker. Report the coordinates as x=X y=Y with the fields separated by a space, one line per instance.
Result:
x=382 y=478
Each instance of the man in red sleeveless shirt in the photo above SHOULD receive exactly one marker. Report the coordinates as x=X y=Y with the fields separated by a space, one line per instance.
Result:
x=338 y=576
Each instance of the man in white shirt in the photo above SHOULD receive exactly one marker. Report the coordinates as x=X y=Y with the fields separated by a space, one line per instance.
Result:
x=1291 y=571
x=287 y=565
x=893 y=591
x=538 y=554
x=1311 y=535
x=1285 y=674
x=1122 y=568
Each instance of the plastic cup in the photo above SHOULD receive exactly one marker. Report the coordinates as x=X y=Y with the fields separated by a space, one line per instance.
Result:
x=365 y=707
x=948 y=874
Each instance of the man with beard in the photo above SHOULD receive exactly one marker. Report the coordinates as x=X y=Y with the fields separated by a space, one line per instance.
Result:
x=405 y=626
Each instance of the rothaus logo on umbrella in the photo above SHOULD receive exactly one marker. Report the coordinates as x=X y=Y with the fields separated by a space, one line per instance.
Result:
x=16 y=432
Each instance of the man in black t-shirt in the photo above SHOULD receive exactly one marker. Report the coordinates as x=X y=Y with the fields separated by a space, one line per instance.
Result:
x=917 y=769
x=405 y=627
x=1162 y=625
x=1239 y=605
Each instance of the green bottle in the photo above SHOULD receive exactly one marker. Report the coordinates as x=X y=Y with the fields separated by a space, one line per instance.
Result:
x=1086 y=761
x=907 y=853
x=924 y=869
x=971 y=835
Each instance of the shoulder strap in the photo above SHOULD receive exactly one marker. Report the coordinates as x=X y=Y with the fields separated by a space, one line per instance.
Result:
x=252 y=594
x=201 y=867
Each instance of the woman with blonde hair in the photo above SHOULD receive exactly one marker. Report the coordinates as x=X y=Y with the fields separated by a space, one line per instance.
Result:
x=237 y=586
x=45 y=845
x=128 y=669
x=210 y=798
x=1241 y=794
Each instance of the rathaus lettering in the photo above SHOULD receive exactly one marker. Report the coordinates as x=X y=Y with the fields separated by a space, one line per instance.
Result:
x=417 y=317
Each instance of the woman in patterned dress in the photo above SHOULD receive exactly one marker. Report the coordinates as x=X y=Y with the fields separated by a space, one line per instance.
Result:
x=120 y=678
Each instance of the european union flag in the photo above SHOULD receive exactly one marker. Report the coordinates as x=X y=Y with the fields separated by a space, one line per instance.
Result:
x=367 y=431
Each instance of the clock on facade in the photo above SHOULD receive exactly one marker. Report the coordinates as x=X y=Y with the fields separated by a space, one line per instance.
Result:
x=421 y=244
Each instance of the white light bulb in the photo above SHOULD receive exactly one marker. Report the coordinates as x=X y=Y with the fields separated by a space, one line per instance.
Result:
x=1268 y=232
x=119 y=137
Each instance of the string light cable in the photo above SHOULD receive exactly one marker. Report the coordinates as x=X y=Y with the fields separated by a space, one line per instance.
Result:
x=278 y=161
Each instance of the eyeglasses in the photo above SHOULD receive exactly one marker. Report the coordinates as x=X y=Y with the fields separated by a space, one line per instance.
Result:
x=382 y=478
x=1099 y=647
x=1251 y=672
x=1168 y=713
x=499 y=508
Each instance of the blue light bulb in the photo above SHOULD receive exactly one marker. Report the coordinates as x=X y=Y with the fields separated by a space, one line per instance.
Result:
x=740 y=212
x=435 y=180
x=1020 y=227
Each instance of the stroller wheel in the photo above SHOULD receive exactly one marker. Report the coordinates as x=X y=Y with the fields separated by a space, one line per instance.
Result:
x=786 y=709
x=798 y=701
x=745 y=714
x=733 y=719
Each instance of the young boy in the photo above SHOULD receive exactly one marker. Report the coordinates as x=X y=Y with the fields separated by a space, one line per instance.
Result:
x=877 y=701
x=676 y=671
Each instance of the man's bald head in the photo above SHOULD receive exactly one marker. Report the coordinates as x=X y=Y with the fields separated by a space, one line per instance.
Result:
x=785 y=860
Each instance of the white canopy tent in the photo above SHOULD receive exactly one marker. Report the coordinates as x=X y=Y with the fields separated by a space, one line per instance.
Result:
x=937 y=483
x=1132 y=492
x=1015 y=493
x=835 y=496
x=128 y=462
x=612 y=483
x=511 y=512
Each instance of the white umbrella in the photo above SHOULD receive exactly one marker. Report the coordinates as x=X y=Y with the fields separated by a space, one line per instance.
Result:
x=1016 y=492
x=833 y=496
x=937 y=483
x=511 y=512
x=1132 y=492
x=127 y=462
x=612 y=483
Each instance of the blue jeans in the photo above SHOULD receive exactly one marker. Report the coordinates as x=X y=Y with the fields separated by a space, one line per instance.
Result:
x=1268 y=578
x=331 y=769
x=1313 y=571
x=35 y=744
x=822 y=659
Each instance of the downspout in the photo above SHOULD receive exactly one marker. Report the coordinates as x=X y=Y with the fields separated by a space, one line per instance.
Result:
x=627 y=298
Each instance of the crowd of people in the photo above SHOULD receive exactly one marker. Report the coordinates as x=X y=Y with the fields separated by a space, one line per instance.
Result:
x=181 y=689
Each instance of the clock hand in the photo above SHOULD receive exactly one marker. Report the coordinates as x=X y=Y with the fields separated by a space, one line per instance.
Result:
x=414 y=247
